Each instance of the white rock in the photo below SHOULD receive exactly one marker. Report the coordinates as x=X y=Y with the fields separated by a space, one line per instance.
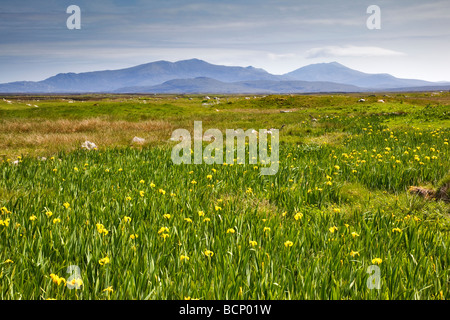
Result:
x=209 y=138
x=138 y=140
x=176 y=138
x=89 y=145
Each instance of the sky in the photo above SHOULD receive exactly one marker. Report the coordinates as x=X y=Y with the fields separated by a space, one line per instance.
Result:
x=413 y=39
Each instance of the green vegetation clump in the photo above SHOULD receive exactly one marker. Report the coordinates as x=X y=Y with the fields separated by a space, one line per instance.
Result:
x=137 y=226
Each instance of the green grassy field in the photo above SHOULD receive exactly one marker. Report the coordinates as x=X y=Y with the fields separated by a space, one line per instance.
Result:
x=138 y=226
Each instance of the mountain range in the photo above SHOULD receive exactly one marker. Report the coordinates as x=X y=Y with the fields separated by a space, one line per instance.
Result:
x=198 y=76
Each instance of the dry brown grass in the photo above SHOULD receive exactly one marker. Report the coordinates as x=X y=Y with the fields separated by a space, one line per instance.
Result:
x=429 y=194
x=43 y=137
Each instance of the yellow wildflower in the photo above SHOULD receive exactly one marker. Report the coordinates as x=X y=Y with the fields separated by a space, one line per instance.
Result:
x=164 y=236
x=377 y=260
x=104 y=261
x=231 y=230
x=57 y=280
x=333 y=229
x=288 y=244
x=354 y=253
x=208 y=253
x=298 y=216
x=101 y=229
x=163 y=229
x=109 y=290
x=76 y=282
x=184 y=258
x=253 y=243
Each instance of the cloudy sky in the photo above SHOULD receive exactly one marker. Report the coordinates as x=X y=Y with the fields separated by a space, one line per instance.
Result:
x=276 y=35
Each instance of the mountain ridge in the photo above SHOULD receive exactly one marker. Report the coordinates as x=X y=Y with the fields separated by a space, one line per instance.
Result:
x=206 y=85
x=336 y=72
x=320 y=77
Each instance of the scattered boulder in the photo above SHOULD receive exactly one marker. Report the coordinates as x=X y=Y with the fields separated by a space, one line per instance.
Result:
x=209 y=138
x=180 y=138
x=362 y=100
x=138 y=140
x=89 y=145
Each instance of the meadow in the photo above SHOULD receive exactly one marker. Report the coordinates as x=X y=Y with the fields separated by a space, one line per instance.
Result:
x=337 y=221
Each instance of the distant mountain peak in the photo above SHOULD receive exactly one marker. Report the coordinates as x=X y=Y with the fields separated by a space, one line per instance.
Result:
x=198 y=75
x=336 y=72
